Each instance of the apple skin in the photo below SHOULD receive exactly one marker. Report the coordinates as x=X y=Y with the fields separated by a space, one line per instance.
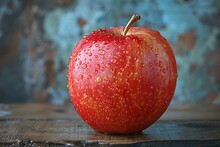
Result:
x=121 y=84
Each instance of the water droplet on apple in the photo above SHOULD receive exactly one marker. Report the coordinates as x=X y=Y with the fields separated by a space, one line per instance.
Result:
x=134 y=39
x=105 y=42
x=84 y=36
x=97 y=66
x=113 y=60
x=160 y=64
x=95 y=72
x=90 y=54
x=164 y=70
x=98 y=79
x=84 y=65
x=117 y=53
x=126 y=52
x=96 y=56
x=102 y=52
x=81 y=77
x=90 y=46
x=96 y=45
x=106 y=78
x=76 y=81
x=108 y=47
x=108 y=65
x=90 y=76
x=127 y=38
x=121 y=60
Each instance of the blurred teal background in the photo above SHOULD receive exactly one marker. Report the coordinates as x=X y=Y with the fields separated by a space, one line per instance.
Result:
x=37 y=36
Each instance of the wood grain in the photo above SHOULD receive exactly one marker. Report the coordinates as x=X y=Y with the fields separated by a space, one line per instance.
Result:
x=48 y=125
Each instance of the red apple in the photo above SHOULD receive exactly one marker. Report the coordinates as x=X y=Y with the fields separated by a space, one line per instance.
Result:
x=121 y=79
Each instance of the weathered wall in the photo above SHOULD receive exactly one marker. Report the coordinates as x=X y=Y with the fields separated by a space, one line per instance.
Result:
x=37 y=36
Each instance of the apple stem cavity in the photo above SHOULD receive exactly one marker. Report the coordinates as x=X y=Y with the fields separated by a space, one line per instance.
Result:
x=134 y=18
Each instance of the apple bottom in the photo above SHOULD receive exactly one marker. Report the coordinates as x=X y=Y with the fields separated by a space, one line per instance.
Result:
x=120 y=121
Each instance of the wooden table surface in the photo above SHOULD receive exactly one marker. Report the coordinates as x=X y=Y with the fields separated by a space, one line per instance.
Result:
x=50 y=125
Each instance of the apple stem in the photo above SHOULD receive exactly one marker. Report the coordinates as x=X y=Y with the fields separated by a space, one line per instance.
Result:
x=134 y=18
